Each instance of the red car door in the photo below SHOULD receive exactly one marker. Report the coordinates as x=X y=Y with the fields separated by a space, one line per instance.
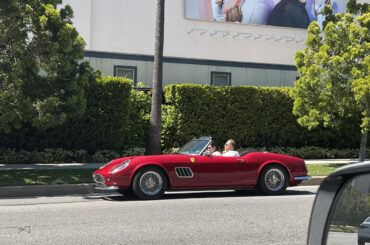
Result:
x=219 y=171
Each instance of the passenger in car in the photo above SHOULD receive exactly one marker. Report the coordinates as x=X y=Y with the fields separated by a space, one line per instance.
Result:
x=229 y=150
x=213 y=149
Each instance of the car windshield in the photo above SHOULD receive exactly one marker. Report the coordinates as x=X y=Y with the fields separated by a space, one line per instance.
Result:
x=367 y=220
x=194 y=147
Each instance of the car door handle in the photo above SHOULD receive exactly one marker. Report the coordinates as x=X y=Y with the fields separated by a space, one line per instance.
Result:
x=240 y=160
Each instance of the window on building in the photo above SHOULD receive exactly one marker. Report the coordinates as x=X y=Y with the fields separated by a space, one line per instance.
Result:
x=220 y=78
x=129 y=72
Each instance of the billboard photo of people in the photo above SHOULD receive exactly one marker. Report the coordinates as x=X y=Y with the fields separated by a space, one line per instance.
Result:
x=287 y=13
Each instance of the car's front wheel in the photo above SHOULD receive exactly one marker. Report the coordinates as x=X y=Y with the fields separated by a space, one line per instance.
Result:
x=273 y=180
x=149 y=183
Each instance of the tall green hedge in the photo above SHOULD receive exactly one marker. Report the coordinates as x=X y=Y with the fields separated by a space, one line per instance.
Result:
x=253 y=116
x=117 y=115
x=116 y=119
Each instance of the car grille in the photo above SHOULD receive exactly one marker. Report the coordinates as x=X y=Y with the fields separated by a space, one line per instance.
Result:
x=98 y=178
x=184 y=172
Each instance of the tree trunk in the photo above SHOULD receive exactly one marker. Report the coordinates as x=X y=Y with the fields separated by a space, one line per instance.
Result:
x=155 y=127
x=363 y=147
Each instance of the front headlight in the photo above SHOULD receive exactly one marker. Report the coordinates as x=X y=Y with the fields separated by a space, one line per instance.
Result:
x=105 y=165
x=120 y=166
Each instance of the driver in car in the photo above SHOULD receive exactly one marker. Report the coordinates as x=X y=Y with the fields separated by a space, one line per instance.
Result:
x=213 y=149
x=229 y=149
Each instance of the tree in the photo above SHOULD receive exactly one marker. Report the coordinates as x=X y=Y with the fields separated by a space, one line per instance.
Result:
x=41 y=76
x=352 y=207
x=334 y=67
x=155 y=127
x=357 y=8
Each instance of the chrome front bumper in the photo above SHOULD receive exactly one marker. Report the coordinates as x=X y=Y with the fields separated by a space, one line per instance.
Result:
x=300 y=178
x=105 y=187
x=100 y=183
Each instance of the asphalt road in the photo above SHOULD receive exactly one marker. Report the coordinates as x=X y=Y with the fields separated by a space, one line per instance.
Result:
x=179 y=218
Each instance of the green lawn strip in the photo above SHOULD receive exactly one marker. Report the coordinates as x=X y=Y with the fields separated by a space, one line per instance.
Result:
x=45 y=177
x=322 y=169
x=346 y=229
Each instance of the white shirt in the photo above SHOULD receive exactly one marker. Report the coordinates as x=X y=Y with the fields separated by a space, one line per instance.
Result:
x=256 y=11
x=231 y=154
x=216 y=153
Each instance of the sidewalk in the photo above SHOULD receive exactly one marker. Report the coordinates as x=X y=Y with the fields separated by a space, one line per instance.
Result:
x=332 y=161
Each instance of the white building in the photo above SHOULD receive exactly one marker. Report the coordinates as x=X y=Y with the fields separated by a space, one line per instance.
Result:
x=120 y=41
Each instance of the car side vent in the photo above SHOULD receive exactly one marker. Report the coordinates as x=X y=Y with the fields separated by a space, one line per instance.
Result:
x=184 y=172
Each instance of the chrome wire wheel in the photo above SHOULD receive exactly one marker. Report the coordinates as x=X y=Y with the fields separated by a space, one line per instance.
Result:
x=151 y=183
x=274 y=179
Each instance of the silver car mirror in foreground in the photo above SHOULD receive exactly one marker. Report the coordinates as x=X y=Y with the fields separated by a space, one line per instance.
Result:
x=341 y=212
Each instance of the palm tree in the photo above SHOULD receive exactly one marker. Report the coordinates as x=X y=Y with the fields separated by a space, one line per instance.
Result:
x=155 y=127
x=362 y=154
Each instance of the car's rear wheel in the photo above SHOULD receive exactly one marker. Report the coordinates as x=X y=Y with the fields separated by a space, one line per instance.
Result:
x=149 y=183
x=273 y=180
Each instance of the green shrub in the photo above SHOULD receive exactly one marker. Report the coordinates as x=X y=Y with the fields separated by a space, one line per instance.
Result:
x=81 y=156
x=116 y=118
x=52 y=156
x=136 y=151
x=139 y=116
x=104 y=156
x=9 y=156
x=253 y=116
x=12 y=156
x=104 y=125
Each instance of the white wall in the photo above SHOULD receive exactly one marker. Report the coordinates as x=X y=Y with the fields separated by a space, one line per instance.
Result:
x=200 y=74
x=126 y=26
x=82 y=18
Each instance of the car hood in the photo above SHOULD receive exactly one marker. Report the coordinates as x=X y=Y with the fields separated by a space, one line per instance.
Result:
x=134 y=160
x=115 y=162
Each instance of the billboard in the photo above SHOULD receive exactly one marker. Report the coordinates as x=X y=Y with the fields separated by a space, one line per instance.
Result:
x=287 y=13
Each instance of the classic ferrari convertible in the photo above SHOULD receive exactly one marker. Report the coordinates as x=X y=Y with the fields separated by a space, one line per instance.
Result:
x=148 y=177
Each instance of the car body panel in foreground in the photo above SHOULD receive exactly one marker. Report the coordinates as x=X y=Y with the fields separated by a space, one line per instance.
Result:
x=342 y=203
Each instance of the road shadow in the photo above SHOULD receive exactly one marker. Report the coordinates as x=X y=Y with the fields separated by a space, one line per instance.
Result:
x=198 y=195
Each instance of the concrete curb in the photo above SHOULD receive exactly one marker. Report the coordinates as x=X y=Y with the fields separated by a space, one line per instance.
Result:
x=80 y=189
x=315 y=180
x=330 y=161
x=45 y=190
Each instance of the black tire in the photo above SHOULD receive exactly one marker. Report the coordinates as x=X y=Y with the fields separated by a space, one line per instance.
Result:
x=149 y=183
x=273 y=180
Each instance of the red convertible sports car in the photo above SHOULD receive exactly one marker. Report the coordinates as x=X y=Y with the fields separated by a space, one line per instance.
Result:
x=148 y=177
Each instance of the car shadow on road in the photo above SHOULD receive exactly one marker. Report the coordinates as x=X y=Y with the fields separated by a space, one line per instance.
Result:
x=202 y=194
